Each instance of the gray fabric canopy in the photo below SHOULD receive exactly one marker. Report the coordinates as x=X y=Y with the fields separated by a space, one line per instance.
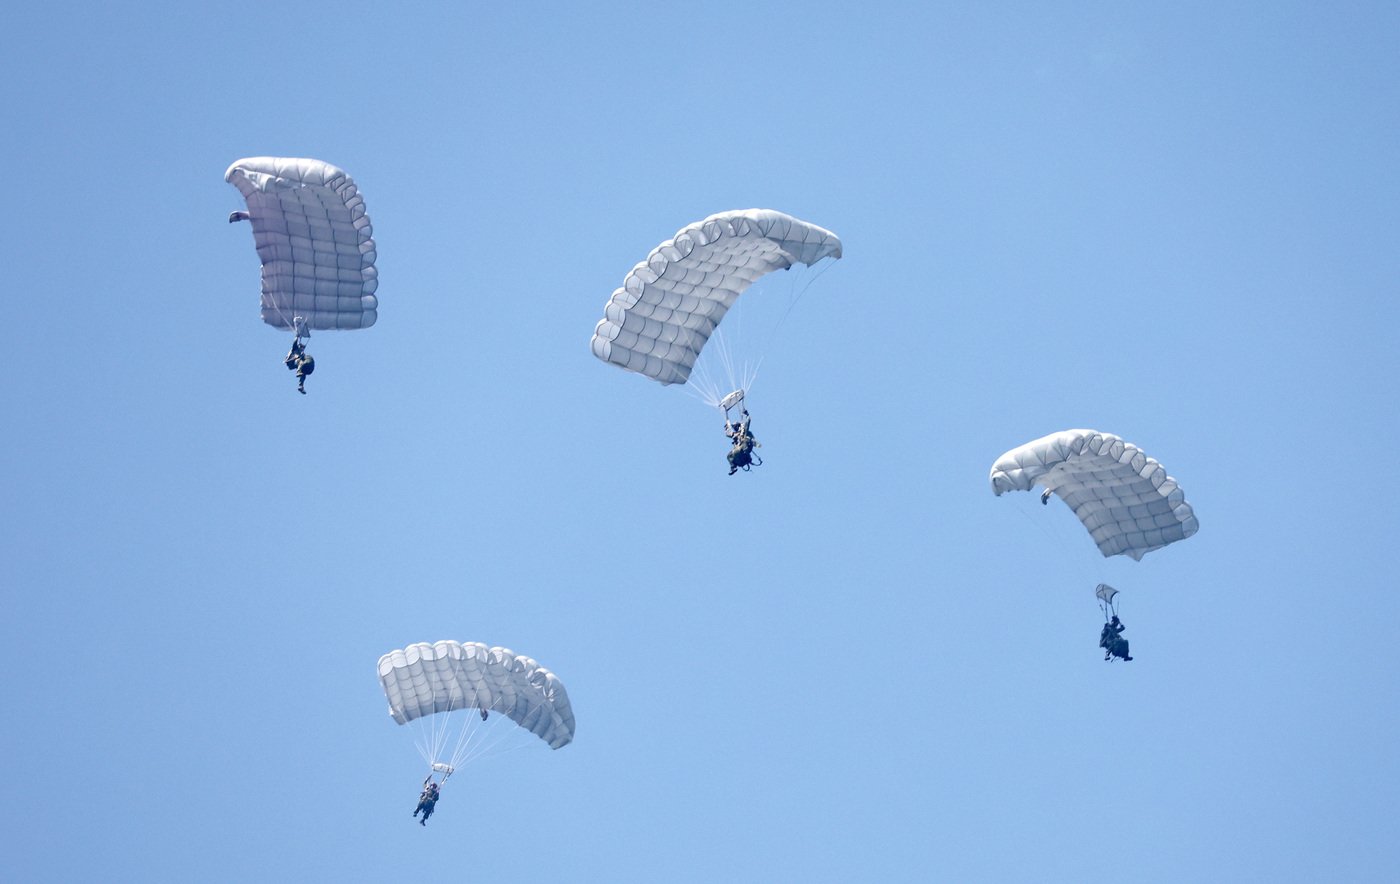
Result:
x=1125 y=499
x=314 y=240
x=668 y=306
x=446 y=676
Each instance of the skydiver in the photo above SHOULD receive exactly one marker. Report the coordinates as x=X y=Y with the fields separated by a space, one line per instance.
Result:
x=741 y=455
x=427 y=801
x=1111 y=640
x=1045 y=497
x=483 y=714
x=301 y=362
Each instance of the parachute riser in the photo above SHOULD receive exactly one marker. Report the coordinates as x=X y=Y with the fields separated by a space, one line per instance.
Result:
x=1109 y=609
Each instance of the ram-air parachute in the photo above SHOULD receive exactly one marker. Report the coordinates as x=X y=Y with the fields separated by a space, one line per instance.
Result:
x=669 y=305
x=1125 y=499
x=457 y=695
x=314 y=240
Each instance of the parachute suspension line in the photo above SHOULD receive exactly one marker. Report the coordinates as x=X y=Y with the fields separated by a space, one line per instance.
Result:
x=434 y=735
x=464 y=736
x=425 y=736
x=464 y=751
x=703 y=385
x=726 y=356
x=470 y=739
x=1063 y=548
x=1107 y=609
x=290 y=323
x=440 y=730
x=493 y=734
x=808 y=280
x=738 y=376
x=422 y=734
x=721 y=352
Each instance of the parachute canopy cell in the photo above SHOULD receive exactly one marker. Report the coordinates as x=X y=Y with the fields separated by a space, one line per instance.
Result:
x=1125 y=499
x=314 y=240
x=425 y=679
x=668 y=306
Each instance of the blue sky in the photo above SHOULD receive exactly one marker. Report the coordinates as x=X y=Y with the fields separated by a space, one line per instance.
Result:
x=1174 y=224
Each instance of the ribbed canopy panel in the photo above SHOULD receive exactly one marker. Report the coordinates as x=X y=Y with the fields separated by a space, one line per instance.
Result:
x=446 y=676
x=1125 y=499
x=314 y=240
x=670 y=304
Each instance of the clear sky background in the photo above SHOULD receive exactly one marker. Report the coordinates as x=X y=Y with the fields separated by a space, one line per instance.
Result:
x=1177 y=224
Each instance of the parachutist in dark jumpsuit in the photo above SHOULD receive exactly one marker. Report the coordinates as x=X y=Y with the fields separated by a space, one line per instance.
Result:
x=299 y=361
x=1045 y=497
x=427 y=801
x=741 y=455
x=1111 y=640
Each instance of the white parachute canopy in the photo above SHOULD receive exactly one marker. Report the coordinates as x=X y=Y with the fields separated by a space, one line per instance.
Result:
x=450 y=685
x=657 y=322
x=314 y=240
x=1125 y=499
